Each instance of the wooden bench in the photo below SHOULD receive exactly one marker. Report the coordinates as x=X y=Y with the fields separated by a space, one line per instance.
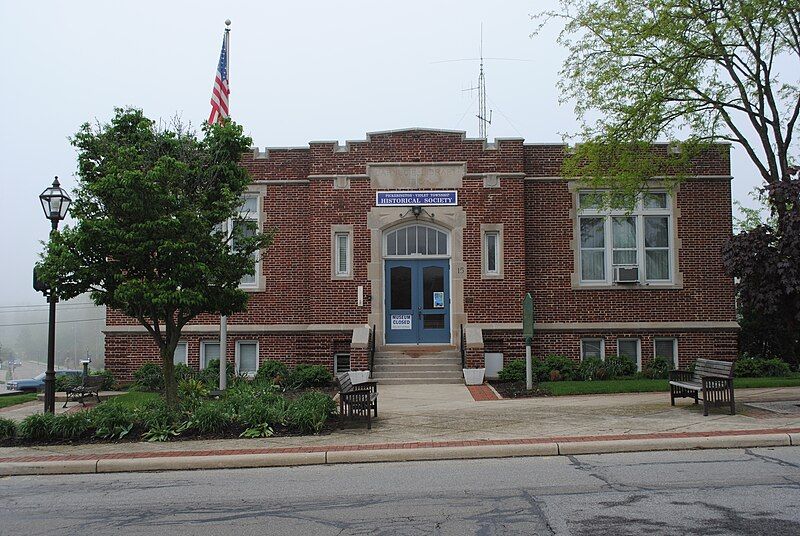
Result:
x=711 y=380
x=89 y=387
x=357 y=398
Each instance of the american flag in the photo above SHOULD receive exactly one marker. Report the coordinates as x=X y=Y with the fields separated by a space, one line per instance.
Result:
x=219 y=95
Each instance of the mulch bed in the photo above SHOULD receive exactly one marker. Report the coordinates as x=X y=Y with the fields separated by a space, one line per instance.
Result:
x=518 y=390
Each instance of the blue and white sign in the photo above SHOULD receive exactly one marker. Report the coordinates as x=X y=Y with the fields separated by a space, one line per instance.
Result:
x=408 y=198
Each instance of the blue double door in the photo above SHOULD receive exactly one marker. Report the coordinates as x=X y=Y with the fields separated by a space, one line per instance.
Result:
x=417 y=301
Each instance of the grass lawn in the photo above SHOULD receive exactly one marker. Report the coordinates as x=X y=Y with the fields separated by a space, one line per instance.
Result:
x=134 y=399
x=13 y=400
x=646 y=386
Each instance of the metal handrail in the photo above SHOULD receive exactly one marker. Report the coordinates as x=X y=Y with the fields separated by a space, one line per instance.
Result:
x=371 y=350
x=463 y=348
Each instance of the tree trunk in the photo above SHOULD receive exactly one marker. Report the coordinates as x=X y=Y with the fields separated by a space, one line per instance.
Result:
x=170 y=383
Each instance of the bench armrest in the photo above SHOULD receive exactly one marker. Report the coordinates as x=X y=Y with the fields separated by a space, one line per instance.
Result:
x=715 y=383
x=370 y=385
x=680 y=375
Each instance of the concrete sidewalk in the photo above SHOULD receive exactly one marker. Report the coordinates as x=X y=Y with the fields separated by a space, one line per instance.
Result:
x=441 y=421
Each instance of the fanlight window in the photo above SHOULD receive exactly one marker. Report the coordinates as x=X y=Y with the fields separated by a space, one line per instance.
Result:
x=416 y=240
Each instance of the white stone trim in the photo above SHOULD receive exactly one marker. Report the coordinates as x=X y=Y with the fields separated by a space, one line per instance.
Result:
x=614 y=326
x=242 y=328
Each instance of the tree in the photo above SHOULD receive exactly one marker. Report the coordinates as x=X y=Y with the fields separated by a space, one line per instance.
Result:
x=711 y=70
x=151 y=238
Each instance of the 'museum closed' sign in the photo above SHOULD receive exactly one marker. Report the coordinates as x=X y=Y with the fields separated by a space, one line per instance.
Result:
x=411 y=198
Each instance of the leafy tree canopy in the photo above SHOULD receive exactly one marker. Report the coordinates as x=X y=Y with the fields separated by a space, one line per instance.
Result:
x=153 y=237
x=708 y=71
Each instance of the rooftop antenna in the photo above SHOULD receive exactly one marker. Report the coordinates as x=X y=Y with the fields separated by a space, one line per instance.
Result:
x=484 y=119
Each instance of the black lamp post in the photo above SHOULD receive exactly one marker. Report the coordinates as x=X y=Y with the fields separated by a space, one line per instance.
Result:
x=55 y=203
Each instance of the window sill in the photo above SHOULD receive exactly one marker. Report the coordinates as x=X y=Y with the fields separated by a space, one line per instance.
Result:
x=626 y=286
x=492 y=276
x=341 y=278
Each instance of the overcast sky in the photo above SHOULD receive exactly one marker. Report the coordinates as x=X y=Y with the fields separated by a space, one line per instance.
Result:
x=300 y=71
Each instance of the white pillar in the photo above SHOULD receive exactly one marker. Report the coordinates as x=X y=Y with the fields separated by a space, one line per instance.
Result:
x=223 y=353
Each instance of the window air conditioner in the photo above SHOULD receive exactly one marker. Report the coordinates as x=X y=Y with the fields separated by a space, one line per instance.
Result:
x=626 y=274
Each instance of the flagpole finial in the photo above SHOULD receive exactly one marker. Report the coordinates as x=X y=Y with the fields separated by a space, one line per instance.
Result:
x=227 y=22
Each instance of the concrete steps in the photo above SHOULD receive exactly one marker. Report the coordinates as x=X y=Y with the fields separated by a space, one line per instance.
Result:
x=418 y=365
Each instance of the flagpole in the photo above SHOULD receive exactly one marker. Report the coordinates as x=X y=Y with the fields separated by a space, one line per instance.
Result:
x=223 y=320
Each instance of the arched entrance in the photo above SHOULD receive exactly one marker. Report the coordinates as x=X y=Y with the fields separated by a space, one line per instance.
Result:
x=417 y=284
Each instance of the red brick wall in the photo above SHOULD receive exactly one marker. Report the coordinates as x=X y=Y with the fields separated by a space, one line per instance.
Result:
x=537 y=256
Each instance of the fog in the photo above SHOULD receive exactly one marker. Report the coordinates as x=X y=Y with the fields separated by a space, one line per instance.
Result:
x=300 y=71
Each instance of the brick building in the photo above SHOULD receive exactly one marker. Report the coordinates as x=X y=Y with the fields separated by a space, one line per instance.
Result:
x=416 y=236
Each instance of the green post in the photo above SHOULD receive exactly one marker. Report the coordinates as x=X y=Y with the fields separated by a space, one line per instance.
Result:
x=527 y=332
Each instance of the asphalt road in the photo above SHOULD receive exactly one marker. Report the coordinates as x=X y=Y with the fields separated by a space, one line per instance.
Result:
x=754 y=491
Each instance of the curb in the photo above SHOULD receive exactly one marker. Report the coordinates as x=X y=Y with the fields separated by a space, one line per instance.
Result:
x=411 y=452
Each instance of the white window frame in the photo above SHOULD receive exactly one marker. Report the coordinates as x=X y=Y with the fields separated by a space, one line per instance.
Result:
x=439 y=255
x=347 y=270
x=203 y=344
x=602 y=346
x=336 y=361
x=249 y=216
x=238 y=354
x=338 y=231
x=674 y=348
x=185 y=344
x=639 y=213
x=638 y=350
x=498 y=257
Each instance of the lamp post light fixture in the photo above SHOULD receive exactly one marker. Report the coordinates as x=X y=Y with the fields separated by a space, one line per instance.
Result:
x=55 y=203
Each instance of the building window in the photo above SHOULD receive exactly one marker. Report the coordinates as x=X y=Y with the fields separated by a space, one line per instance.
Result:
x=415 y=241
x=181 y=355
x=342 y=252
x=341 y=363
x=593 y=348
x=666 y=348
x=492 y=251
x=245 y=224
x=630 y=349
x=209 y=351
x=246 y=357
x=639 y=238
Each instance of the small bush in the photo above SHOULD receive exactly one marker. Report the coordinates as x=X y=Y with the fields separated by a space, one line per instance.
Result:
x=72 y=425
x=183 y=372
x=192 y=391
x=265 y=410
x=210 y=418
x=36 y=427
x=309 y=412
x=554 y=376
x=776 y=367
x=592 y=368
x=619 y=366
x=65 y=382
x=658 y=368
x=149 y=377
x=159 y=421
x=112 y=421
x=514 y=371
x=272 y=370
x=304 y=376
x=8 y=428
x=109 y=381
x=564 y=365
x=210 y=374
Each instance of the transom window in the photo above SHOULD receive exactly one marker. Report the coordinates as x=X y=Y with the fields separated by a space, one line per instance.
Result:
x=416 y=240
x=640 y=238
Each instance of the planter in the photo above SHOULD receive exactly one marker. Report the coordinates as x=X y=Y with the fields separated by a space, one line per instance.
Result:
x=474 y=376
x=359 y=376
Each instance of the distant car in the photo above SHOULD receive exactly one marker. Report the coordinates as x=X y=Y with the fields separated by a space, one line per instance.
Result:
x=37 y=383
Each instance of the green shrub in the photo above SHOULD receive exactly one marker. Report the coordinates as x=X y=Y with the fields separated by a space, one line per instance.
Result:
x=658 y=368
x=192 y=391
x=184 y=372
x=271 y=410
x=72 y=425
x=591 y=368
x=65 y=382
x=514 y=371
x=619 y=366
x=210 y=418
x=159 y=421
x=303 y=376
x=309 y=412
x=8 y=428
x=149 y=377
x=109 y=381
x=776 y=367
x=261 y=430
x=565 y=366
x=36 y=427
x=210 y=374
x=112 y=421
x=272 y=370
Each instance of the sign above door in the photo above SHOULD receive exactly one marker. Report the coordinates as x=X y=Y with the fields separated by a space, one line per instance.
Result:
x=409 y=198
